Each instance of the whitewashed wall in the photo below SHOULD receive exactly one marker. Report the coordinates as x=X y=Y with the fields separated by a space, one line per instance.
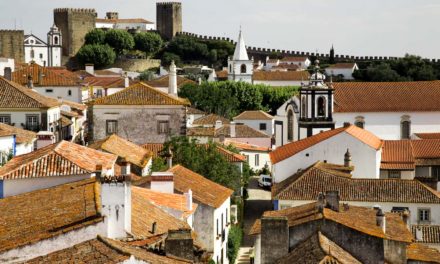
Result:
x=264 y=159
x=61 y=92
x=255 y=124
x=218 y=245
x=37 y=51
x=278 y=83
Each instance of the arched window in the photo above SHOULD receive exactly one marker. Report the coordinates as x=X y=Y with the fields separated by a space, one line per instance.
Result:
x=290 y=125
x=405 y=127
x=230 y=68
x=243 y=68
x=360 y=122
x=32 y=53
x=321 y=106
x=303 y=107
x=55 y=40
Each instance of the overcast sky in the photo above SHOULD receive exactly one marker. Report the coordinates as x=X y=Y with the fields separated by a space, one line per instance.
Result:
x=355 y=27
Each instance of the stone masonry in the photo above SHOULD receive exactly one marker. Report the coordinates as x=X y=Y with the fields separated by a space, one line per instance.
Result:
x=11 y=44
x=169 y=19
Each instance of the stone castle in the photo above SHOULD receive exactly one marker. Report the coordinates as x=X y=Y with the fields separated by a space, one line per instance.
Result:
x=168 y=19
x=11 y=44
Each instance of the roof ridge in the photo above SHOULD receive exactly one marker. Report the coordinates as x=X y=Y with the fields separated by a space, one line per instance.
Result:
x=63 y=142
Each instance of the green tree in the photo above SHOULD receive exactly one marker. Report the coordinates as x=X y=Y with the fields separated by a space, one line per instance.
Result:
x=234 y=241
x=382 y=73
x=414 y=68
x=99 y=55
x=188 y=48
x=148 y=42
x=168 y=57
x=146 y=75
x=95 y=36
x=120 y=40
x=159 y=164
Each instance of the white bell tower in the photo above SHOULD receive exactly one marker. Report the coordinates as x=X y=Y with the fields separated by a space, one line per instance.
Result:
x=54 y=42
x=240 y=68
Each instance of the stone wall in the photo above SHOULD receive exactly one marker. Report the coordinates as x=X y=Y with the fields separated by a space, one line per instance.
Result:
x=74 y=23
x=137 y=65
x=274 y=239
x=11 y=44
x=168 y=19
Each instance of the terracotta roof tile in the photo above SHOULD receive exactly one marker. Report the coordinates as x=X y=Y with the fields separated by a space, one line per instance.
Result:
x=430 y=233
x=222 y=74
x=362 y=219
x=291 y=149
x=107 y=82
x=294 y=58
x=194 y=111
x=428 y=135
x=140 y=94
x=387 y=96
x=281 y=75
x=166 y=200
x=30 y=217
x=422 y=253
x=22 y=136
x=200 y=131
x=164 y=81
x=241 y=131
x=306 y=185
x=244 y=146
x=74 y=105
x=13 y=95
x=405 y=154
x=254 y=115
x=204 y=190
x=49 y=76
x=59 y=159
x=123 y=148
x=210 y=120
x=286 y=66
x=155 y=148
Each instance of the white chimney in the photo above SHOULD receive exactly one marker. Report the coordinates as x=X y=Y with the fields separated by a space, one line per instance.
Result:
x=172 y=83
x=232 y=126
x=218 y=124
x=189 y=201
x=44 y=138
x=162 y=182
x=381 y=220
x=116 y=205
x=126 y=80
x=90 y=69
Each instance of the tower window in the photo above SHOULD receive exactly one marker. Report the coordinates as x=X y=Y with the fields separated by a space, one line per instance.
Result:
x=405 y=127
x=32 y=53
x=55 y=40
x=243 y=68
x=303 y=107
x=359 y=122
x=69 y=92
x=321 y=106
x=290 y=125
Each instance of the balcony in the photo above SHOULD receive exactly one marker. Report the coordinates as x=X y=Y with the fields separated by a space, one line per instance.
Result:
x=31 y=127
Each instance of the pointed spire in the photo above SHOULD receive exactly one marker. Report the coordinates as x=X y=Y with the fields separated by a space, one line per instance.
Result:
x=240 y=52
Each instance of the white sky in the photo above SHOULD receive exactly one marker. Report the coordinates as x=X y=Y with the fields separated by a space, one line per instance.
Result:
x=355 y=27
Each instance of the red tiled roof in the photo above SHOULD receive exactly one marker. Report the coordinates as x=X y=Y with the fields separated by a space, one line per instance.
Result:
x=204 y=191
x=107 y=82
x=422 y=253
x=428 y=135
x=254 y=115
x=22 y=136
x=404 y=154
x=210 y=120
x=307 y=184
x=295 y=58
x=13 y=95
x=30 y=217
x=280 y=75
x=241 y=131
x=194 y=111
x=59 y=159
x=140 y=94
x=244 y=146
x=164 y=81
x=387 y=96
x=49 y=76
x=123 y=20
x=348 y=65
x=291 y=149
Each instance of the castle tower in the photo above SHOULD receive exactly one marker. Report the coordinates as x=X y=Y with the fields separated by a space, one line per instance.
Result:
x=169 y=19
x=54 y=40
x=332 y=55
x=240 y=68
x=11 y=44
x=74 y=24
x=316 y=105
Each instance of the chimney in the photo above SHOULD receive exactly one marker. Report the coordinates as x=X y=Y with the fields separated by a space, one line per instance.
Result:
x=189 y=201
x=30 y=83
x=98 y=172
x=320 y=204
x=406 y=217
x=126 y=80
x=274 y=238
x=347 y=124
x=172 y=81
x=179 y=243
x=112 y=15
x=232 y=127
x=162 y=182
x=381 y=220
x=90 y=69
x=332 y=200
x=116 y=205
x=169 y=157
x=218 y=124
x=347 y=159
x=8 y=73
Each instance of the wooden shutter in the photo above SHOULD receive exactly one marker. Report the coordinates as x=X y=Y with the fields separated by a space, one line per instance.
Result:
x=44 y=121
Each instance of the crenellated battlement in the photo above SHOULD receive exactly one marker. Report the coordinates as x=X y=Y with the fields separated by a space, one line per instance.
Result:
x=75 y=10
x=18 y=31
x=169 y=3
x=260 y=52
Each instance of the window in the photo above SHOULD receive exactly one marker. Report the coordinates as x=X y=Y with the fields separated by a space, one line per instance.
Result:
x=223 y=222
x=290 y=125
x=99 y=93
x=359 y=122
x=392 y=174
x=32 y=122
x=230 y=68
x=405 y=127
x=257 y=159
x=303 y=107
x=424 y=215
x=226 y=216
x=321 y=106
x=69 y=92
x=111 y=127
x=41 y=55
x=49 y=90
x=435 y=172
x=5 y=119
x=243 y=68
x=218 y=230
x=32 y=54
x=163 y=127
x=262 y=126
x=55 y=40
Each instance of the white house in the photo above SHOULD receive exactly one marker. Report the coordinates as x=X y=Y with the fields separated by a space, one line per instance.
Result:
x=280 y=78
x=55 y=82
x=15 y=139
x=4 y=64
x=330 y=146
x=112 y=21
x=256 y=156
x=303 y=62
x=257 y=120
x=193 y=114
x=27 y=109
x=212 y=217
x=344 y=71
x=42 y=53
x=52 y=165
x=240 y=67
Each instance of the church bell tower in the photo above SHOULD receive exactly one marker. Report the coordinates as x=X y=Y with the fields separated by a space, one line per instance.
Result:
x=240 y=68
x=316 y=105
x=54 y=42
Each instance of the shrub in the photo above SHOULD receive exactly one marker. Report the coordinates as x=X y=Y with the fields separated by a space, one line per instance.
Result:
x=98 y=54
x=95 y=36
x=148 y=42
x=234 y=241
x=120 y=40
